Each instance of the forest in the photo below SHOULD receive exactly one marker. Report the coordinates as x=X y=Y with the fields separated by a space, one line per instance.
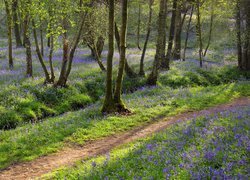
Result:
x=124 y=89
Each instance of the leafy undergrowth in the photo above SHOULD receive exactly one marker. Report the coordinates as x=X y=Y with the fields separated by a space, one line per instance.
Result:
x=31 y=101
x=211 y=146
x=33 y=140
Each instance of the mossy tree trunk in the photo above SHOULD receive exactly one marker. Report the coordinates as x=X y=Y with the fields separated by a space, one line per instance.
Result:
x=161 y=44
x=108 y=105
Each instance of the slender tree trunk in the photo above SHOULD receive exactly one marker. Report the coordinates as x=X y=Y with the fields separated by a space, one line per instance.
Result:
x=39 y=54
x=16 y=24
x=62 y=78
x=41 y=40
x=129 y=71
x=142 y=72
x=139 y=26
x=198 y=33
x=171 y=34
x=52 y=78
x=210 y=30
x=123 y=37
x=178 y=29
x=9 y=25
x=161 y=44
x=238 y=27
x=27 y=44
x=187 y=34
x=109 y=100
x=246 y=48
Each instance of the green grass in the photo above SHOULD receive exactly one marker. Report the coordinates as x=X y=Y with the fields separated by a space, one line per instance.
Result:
x=33 y=140
x=212 y=146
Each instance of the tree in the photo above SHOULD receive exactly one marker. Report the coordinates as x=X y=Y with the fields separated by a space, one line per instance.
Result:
x=161 y=44
x=8 y=5
x=198 y=32
x=115 y=103
x=171 y=34
x=16 y=24
x=141 y=72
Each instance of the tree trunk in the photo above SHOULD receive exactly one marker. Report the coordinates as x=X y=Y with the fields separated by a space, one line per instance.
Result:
x=139 y=26
x=210 y=30
x=9 y=25
x=16 y=24
x=27 y=44
x=246 y=48
x=39 y=54
x=198 y=33
x=62 y=78
x=52 y=78
x=171 y=34
x=129 y=71
x=109 y=100
x=238 y=27
x=142 y=72
x=178 y=30
x=187 y=34
x=41 y=40
x=118 y=88
x=161 y=44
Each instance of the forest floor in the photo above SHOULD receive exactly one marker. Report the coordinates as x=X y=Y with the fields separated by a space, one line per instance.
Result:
x=71 y=154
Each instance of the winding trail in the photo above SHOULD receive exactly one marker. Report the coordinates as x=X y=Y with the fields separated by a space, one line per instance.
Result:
x=69 y=155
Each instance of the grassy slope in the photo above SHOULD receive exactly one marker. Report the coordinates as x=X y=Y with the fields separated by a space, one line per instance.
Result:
x=31 y=141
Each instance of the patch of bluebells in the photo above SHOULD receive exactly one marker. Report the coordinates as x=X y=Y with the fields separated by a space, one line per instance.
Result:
x=211 y=146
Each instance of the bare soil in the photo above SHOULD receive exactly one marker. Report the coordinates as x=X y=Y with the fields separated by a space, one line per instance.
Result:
x=69 y=155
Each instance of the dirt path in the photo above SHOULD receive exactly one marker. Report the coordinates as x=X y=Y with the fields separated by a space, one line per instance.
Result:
x=68 y=156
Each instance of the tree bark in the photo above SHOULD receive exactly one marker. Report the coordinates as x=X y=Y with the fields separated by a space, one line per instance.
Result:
x=119 y=79
x=139 y=25
x=187 y=34
x=171 y=34
x=178 y=30
x=27 y=44
x=238 y=28
x=142 y=72
x=210 y=30
x=39 y=54
x=9 y=25
x=16 y=24
x=198 y=33
x=52 y=78
x=161 y=44
x=109 y=100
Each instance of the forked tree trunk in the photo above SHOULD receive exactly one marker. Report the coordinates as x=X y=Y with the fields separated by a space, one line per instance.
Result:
x=142 y=72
